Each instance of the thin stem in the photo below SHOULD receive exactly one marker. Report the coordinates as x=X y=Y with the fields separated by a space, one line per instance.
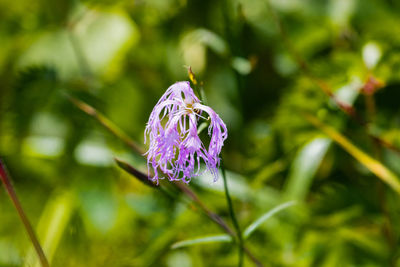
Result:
x=200 y=91
x=28 y=227
x=233 y=217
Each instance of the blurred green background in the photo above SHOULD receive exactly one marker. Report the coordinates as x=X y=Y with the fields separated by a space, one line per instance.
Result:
x=263 y=64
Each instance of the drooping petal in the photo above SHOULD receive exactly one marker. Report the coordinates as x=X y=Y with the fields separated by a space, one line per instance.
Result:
x=175 y=148
x=217 y=130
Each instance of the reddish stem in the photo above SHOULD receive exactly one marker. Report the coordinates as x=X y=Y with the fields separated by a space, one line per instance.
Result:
x=5 y=178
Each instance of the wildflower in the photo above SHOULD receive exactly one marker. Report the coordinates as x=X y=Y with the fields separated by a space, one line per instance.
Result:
x=175 y=147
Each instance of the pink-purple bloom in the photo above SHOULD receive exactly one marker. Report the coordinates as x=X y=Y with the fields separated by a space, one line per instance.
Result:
x=175 y=149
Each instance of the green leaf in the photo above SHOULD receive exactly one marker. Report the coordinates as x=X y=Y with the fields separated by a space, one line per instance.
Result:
x=252 y=227
x=202 y=240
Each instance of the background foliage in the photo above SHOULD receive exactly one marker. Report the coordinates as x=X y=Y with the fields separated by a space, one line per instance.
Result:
x=266 y=66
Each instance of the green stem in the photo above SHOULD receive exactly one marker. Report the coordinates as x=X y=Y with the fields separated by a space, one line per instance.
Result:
x=13 y=196
x=199 y=88
x=233 y=217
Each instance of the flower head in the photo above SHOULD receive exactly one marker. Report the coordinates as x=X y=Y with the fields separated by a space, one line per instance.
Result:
x=175 y=147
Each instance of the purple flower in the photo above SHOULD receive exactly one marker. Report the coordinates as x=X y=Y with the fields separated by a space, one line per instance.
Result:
x=175 y=147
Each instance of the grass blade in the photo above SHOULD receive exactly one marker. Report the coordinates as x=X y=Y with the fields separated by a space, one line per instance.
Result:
x=376 y=167
x=252 y=227
x=202 y=240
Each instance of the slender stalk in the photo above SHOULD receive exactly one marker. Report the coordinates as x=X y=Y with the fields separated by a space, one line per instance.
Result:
x=233 y=217
x=199 y=88
x=5 y=178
